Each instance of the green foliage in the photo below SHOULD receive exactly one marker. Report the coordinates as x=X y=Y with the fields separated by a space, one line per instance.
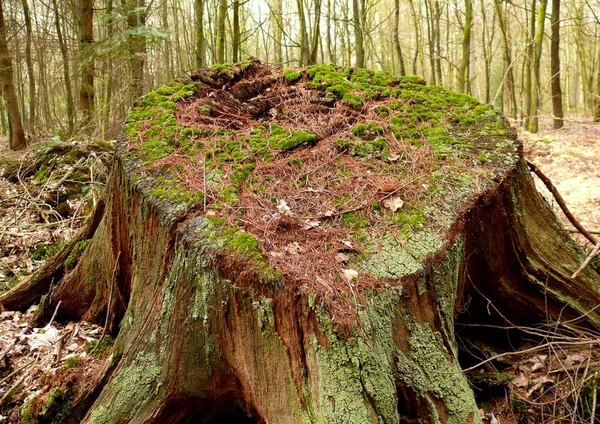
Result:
x=46 y=250
x=76 y=253
x=291 y=75
x=364 y=149
x=73 y=362
x=57 y=408
x=96 y=349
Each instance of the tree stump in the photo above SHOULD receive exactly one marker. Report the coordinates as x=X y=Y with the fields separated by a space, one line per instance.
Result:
x=296 y=246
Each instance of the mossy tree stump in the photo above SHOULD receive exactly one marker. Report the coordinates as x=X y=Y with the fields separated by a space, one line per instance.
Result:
x=295 y=247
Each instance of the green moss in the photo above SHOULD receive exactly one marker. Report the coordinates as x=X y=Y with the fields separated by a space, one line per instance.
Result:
x=246 y=245
x=367 y=131
x=133 y=385
x=73 y=362
x=352 y=100
x=355 y=220
x=96 y=349
x=364 y=149
x=57 y=408
x=46 y=250
x=41 y=175
x=291 y=75
x=76 y=253
x=205 y=110
x=297 y=162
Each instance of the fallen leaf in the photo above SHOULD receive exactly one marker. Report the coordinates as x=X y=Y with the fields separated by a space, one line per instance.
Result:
x=520 y=381
x=283 y=207
x=394 y=157
x=393 y=203
x=293 y=248
x=328 y=213
x=308 y=224
x=342 y=257
x=347 y=243
x=350 y=274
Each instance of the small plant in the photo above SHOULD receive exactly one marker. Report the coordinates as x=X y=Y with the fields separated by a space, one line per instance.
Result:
x=73 y=362
x=96 y=348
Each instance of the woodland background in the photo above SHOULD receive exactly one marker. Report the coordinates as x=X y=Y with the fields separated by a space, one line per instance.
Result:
x=76 y=66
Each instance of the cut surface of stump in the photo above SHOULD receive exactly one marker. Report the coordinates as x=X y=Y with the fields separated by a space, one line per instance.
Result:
x=289 y=246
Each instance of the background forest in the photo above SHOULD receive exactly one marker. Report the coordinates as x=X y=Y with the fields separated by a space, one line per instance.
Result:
x=76 y=66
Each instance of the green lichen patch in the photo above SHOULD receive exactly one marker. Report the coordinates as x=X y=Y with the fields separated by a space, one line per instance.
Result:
x=76 y=253
x=293 y=167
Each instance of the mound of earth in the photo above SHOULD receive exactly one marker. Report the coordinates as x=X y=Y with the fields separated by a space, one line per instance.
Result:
x=296 y=246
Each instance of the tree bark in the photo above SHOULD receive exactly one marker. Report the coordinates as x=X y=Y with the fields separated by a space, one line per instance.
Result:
x=16 y=139
x=66 y=71
x=538 y=42
x=359 y=40
x=200 y=42
x=221 y=34
x=86 y=39
x=235 y=36
x=205 y=335
x=397 y=37
x=557 y=97
x=463 y=72
x=276 y=18
x=29 y=63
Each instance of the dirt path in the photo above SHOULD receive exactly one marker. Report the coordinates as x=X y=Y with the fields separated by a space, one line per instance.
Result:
x=571 y=159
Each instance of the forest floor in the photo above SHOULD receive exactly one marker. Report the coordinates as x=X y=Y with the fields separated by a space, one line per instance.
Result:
x=38 y=215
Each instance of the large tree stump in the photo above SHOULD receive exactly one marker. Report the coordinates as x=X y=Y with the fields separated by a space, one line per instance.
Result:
x=290 y=247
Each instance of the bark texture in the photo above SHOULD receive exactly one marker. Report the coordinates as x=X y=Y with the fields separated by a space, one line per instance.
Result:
x=204 y=335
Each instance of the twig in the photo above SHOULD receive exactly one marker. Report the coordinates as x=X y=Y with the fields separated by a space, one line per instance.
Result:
x=7 y=394
x=593 y=410
x=55 y=312
x=204 y=182
x=112 y=284
x=593 y=253
x=561 y=202
x=14 y=342
x=68 y=174
x=16 y=371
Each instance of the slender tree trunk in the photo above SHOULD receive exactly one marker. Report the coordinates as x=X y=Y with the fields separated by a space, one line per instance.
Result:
x=86 y=39
x=168 y=56
x=16 y=138
x=536 y=83
x=463 y=72
x=108 y=72
x=304 y=58
x=221 y=36
x=430 y=39
x=136 y=18
x=397 y=37
x=557 y=102
x=66 y=71
x=510 y=78
x=359 y=40
x=29 y=62
x=529 y=65
x=597 y=103
x=199 y=25
x=486 y=51
x=417 y=36
x=277 y=31
x=316 y=34
x=235 y=38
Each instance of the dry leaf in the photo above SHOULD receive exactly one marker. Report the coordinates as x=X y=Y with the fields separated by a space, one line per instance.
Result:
x=350 y=274
x=347 y=243
x=283 y=207
x=393 y=203
x=342 y=257
x=293 y=248
x=308 y=224
x=394 y=157
x=328 y=213
x=520 y=381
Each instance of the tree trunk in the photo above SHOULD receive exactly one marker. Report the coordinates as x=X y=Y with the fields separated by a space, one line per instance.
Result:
x=557 y=98
x=235 y=36
x=397 y=37
x=276 y=18
x=16 y=133
x=221 y=35
x=200 y=42
x=290 y=321
x=359 y=40
x=463 y=72
x=538 y=42
x=66 y=71
x=29 y=63
x=135 y=12
x=86 y=39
